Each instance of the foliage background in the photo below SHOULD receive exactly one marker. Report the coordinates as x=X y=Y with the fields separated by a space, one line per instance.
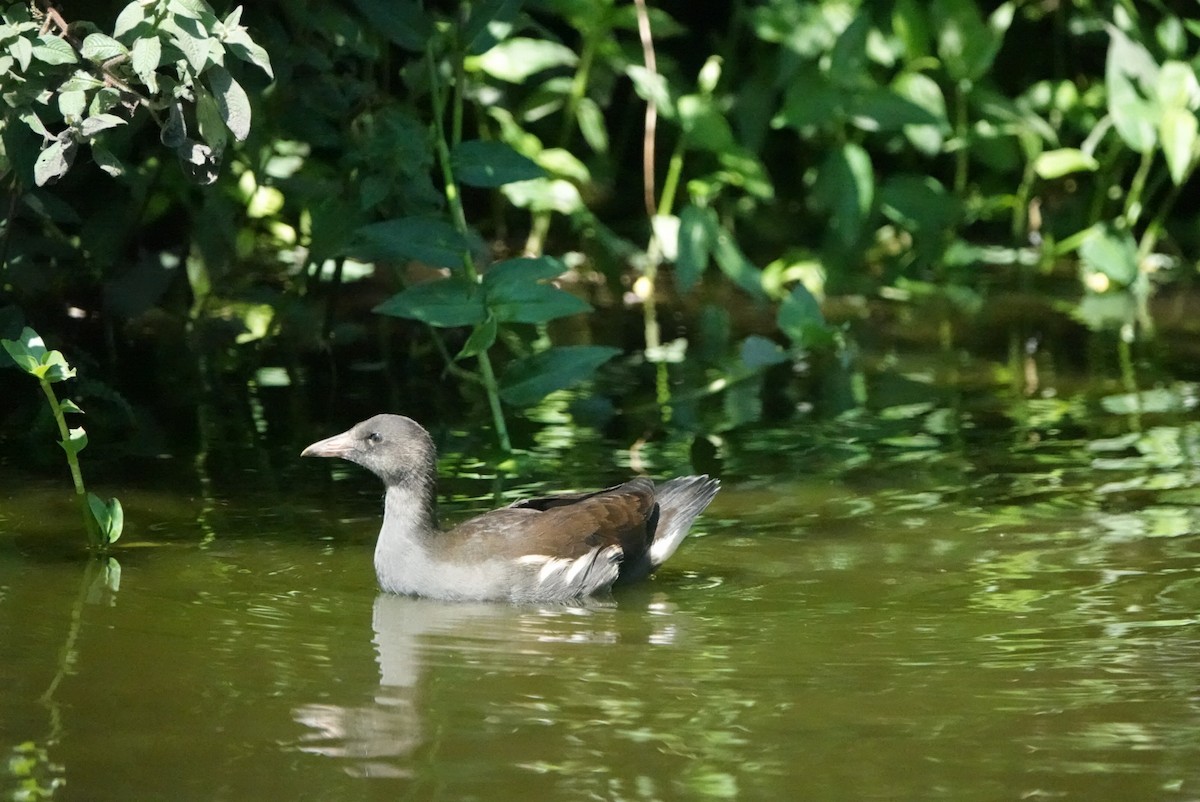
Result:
x=346 y=213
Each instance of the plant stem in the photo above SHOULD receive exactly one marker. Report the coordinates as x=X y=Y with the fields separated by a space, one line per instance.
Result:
x=1133 y=201
x=89 y=523
x=454 y=199
x=962 y=155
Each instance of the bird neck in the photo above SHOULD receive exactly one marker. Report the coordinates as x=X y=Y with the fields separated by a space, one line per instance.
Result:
x=409 y=528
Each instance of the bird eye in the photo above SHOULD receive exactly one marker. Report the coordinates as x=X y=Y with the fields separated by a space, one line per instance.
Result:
x=374 y=438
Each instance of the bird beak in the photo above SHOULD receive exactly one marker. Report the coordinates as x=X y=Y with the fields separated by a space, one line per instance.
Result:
x=340 y=445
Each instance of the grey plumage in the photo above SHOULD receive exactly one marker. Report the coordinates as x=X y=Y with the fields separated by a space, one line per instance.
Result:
x=540 y=549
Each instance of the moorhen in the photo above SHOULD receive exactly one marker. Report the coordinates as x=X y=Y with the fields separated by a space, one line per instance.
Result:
x=541 y=549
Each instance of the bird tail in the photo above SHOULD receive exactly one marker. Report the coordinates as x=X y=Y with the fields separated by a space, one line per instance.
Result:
x=679 y=502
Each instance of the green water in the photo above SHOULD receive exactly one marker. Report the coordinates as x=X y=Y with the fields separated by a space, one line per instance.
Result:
x=965 y=591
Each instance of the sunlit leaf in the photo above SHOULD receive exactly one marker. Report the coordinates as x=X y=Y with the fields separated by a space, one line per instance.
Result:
x=232 y=102
x=1131 y=75
x=1051 y=164
x=190 y=39
x=145 y=57
x=532 y=378
x=99 y=122
x=53 y=51
x=1177 y=129
x=545 y=195
x=76 y=441
x=243 y=47
x=921 y=90
x=516 y=59
x=54 y=161
x=101 y=47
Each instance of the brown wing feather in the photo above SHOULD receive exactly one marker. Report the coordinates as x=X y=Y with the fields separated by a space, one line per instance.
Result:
x=568 y=525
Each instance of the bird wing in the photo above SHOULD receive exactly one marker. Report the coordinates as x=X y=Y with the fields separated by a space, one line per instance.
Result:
x=564 y=525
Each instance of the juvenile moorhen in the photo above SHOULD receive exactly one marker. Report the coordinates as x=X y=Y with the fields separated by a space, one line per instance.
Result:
x=540 y=549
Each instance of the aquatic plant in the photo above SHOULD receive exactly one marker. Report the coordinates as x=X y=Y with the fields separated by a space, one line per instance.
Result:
x=103 y=520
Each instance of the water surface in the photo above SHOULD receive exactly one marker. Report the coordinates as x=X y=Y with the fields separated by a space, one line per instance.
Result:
x=964 y=592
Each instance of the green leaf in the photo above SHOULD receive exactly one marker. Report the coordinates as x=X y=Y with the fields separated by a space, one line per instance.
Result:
x=846 y=188
x=209 y=120
x=515 y=293
x=697 y=234
x=545 y=195
x=130 y=17
x=811 y=101
x=99 y=47
x=759 y=352
x=1112 y=252
x=523 y=269
x=1177 y=129
x=99 y=122
x=881 y=109
x=919 y=204
x=592 y=125
x=401 y=21
x=427 y=239
x=516 y=59
x=110 y=517
x=21 y=355
x=704 y=127
x=1176 y=86
x=77 y=440
x=67 y=405
x=191 y=40
x=481 y=338
x=476 y=34
x=145 y=58
x=445 y=303
x=72 y=103
x=532 y=378
x=488 y=163
x=54 y=51
x=800 y=318
x=243 y=47
x=848 y=61
x=520 y=281
x=232 y=102
x=53 y=162
x=1131 y=76
x=966 y=44
x=54 y=367
x=924 y=92
x=735 y=265
x=1053 y=164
